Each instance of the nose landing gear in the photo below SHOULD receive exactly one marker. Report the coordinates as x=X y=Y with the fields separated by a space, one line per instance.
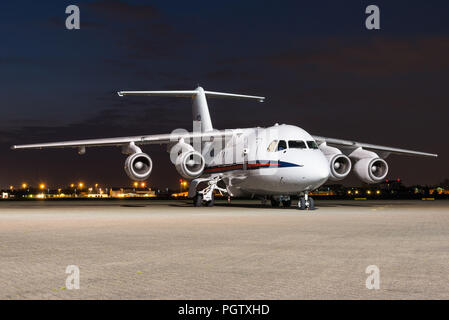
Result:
x=306 y=202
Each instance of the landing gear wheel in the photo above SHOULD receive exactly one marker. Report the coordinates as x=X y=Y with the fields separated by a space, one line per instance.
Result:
x=198 y=200
x=211 y=202
x=302 y=203
x=311 y=204
x=286 y=203
x=275 y=203
x=306 y=205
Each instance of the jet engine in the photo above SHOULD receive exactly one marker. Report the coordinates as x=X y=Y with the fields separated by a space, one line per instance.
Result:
x=138 y=166
x=339 y=164
x=371 y=170
x=188 y=162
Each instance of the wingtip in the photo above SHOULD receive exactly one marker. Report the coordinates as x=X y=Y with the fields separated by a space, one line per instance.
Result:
x=13 y=147
x=120 y=93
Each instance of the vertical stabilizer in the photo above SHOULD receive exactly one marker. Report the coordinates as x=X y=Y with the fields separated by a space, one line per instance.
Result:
x=200 y=110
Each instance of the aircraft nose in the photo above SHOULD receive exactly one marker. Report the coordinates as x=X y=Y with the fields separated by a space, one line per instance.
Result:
x=321 y=169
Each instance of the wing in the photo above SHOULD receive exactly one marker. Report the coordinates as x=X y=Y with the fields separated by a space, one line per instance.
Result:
x=382 y=150
x=138 y=140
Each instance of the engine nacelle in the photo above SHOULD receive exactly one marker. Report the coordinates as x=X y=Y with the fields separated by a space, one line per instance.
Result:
x=138 y=166
x=190 y=164
x=371 y=170
x=339 y=164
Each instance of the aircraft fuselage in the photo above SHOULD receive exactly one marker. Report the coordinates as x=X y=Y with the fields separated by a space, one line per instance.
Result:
x=281 y=159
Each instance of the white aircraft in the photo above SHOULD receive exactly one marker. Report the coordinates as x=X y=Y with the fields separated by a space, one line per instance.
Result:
x=275 y=162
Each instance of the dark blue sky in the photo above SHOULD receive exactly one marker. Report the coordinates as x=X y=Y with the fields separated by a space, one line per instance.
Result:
x=315 y=62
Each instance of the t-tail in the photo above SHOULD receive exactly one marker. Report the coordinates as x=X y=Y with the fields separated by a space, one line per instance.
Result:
x=200 y=110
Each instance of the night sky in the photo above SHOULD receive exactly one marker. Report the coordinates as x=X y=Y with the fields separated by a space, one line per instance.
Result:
x=315 y=61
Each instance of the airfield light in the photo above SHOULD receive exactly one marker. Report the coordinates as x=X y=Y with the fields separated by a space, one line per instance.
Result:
x=349 y=191
x=368 y=192
x=24 y=185
x=136 y=184
x=184 y=183
x=356 y=191
x=81 y=185
x=90 y=189
x=59 y=190
x=96 y=185
x=378 y=192
x=42 y=186
x=72 y=185
x=11 y=187
x=142 y=185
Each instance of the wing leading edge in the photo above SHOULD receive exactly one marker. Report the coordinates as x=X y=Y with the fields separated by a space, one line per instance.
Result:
x=352 y=145
x=138 y=140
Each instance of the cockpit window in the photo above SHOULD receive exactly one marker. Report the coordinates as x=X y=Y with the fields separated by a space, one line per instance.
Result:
x=312 y=144
x=272 y=146
x=297 y=144
x=282 y=145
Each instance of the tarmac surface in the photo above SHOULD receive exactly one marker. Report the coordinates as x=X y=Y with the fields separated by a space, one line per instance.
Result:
x=170 y=250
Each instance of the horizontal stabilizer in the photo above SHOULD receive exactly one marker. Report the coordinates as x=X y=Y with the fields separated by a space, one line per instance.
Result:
x=189 y=93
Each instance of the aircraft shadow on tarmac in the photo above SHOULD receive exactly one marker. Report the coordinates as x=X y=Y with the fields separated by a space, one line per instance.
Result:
x=233 y=205
x=134 y=205
x=262 y=206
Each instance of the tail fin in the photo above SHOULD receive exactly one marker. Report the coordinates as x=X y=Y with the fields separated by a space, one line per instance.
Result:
x=200 y=110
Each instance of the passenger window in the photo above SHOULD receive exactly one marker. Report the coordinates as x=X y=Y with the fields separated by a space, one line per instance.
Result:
x=282 y=145
x=297 y=144
x=272 y=146
x=312 y=144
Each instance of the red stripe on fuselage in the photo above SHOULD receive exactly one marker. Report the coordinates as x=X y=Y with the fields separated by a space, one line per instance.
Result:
x=240 y=166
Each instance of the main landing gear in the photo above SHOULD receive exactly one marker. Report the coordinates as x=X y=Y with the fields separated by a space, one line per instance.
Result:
x=206 y=196
x=306 y=203
x=198 y=201
x=284 y=200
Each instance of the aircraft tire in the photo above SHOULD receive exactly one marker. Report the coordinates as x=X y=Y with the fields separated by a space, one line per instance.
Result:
x=197 y=200
x=275 y=203
x=211 y=202
x=302 y=203
x=311 y=204
x=287 y=203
